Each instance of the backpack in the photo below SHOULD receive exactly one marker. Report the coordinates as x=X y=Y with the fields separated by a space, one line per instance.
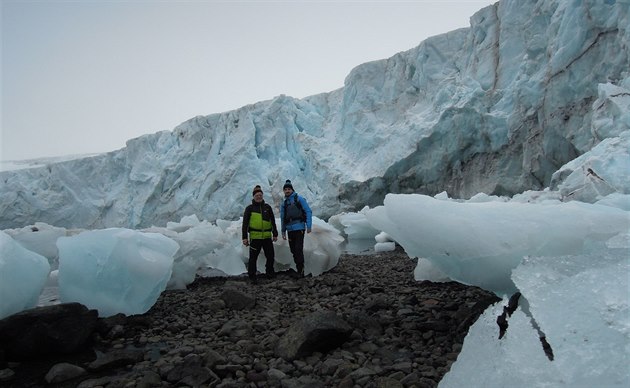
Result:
x=294 y=210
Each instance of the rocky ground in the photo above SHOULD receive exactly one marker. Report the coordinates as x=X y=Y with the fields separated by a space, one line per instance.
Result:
x=226 y=332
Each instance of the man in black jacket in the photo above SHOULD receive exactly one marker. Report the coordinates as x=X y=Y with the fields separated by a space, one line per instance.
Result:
x=260 y=223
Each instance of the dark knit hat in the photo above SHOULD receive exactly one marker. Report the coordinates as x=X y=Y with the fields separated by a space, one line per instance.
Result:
x=287 y=184
x=256 y=190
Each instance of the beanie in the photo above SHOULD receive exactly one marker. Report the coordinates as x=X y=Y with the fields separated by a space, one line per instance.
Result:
x=256 y=190
x=287 y=184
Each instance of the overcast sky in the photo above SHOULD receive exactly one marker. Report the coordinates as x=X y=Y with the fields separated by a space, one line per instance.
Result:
x=85 y=76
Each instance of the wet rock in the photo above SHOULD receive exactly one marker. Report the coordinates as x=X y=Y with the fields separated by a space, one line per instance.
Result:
x=44 y=331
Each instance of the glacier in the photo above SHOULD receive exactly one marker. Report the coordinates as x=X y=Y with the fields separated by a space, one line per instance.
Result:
x=496 y=108
x=498 y=155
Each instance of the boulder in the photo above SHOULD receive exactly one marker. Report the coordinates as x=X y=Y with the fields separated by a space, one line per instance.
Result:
x=238 y=300
x=318 y=332
x=42 y=331
x=116 y=358
x=63 y=372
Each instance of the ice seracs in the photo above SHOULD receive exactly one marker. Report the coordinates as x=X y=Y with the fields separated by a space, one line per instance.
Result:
x=494 y=108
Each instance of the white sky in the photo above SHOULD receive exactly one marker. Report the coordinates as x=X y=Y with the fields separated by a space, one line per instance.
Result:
x=85 y=76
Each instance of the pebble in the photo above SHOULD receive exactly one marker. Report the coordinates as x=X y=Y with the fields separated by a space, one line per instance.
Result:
x=406 y=333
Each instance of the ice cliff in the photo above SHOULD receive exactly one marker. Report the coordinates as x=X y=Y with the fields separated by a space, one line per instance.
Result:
x=498 y=108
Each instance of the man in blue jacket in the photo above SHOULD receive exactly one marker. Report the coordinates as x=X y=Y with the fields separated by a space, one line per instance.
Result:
x=295 y=219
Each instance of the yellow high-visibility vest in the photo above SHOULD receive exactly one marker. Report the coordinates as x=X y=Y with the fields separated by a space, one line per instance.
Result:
x=258 y=228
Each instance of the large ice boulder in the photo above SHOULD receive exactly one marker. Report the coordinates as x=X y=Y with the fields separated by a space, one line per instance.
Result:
x=199 y=243
x=481 y=243
x=115 y=270
x=23 y=275
x=581 y=305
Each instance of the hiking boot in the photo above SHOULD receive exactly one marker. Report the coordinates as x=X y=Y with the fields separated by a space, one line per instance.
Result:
x=253 y=280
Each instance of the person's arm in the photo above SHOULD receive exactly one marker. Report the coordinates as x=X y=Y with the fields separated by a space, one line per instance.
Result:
x=283 y=227
x=309 y=214
x=245 y=227
x=274 y=229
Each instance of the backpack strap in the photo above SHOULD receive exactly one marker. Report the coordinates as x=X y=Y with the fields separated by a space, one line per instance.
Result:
x=298 y=204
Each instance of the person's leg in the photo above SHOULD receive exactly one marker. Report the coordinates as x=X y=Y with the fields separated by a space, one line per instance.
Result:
x=296 y=241
x=291 y=237
x=254 y=250
x=270 y=255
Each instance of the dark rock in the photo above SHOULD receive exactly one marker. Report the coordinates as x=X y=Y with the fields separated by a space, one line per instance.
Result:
x=150 y=380
x=387 y=382
x=237 y=300
x=256 y=377
x=410 y=379
x=235 y=328
x=378 y=303
x=367 y=323
x=340 y=290
x=63 y=372
x=321 y=331
x=546 y=347
x=289 y=288
x=502 y=320
x=227 y=370
x=432 y=325
x=105 y=326
x=192 y=375
x=213 y=358
x=116 y=358
x=99 y=382
x=39 y=332
x=6 y=374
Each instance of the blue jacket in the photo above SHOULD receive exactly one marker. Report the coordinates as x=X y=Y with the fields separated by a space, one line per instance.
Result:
x=296 y=224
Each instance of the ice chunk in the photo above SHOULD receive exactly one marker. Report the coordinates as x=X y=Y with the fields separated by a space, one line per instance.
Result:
x=580 y=303
x=23 y=275
x=115 y=270
x=354 y=225
x=481 y=243
x=321 y=250
x=198 y=242
x=39 y=238
x=384 y=246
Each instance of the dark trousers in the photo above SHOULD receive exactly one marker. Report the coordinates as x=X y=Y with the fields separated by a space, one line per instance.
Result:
x=296 y=244
x=254 y=249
